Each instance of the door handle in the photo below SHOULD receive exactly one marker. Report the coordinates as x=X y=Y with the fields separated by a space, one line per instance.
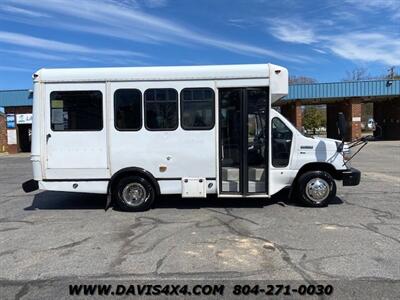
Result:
x=47 y=137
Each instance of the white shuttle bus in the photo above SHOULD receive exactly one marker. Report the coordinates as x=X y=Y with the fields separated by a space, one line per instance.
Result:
x=136 y=133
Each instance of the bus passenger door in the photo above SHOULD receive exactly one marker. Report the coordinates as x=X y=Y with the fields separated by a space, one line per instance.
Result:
x=75 y=131
x=243 y=142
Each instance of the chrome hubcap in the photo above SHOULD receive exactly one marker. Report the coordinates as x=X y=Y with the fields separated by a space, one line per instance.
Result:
x=134 y=194
x=317 y=190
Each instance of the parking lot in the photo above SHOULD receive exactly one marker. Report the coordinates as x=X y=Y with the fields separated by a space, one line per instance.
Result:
x=47 y=235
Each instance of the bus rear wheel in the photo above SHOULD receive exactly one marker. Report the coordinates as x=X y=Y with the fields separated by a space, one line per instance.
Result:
x=134 y=193
x=316 y=188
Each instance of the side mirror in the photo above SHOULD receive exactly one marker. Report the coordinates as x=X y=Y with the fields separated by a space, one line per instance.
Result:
x=342 y=126
x=371 y=124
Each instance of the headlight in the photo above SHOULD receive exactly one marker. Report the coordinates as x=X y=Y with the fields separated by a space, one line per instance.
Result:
x=346 y=154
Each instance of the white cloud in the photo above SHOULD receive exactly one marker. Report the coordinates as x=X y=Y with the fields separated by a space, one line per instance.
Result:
x=241 y=23
x=29 y=41
x=34 y=54
x=319 y=51
x=139 y=3
x=237 y=22
x=366 y=47
x=392 y=7
x=375 y=4
x=382 y=47
x=292 y=31
x=52 y=45
x=128 y=22
x=15 y=69
x=22 y=11
x=156 y=3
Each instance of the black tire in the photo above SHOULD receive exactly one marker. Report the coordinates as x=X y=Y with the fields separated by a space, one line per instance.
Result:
x=304 y=188
x=142 y=189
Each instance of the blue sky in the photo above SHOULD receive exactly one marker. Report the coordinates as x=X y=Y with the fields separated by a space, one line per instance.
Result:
x=320 y=39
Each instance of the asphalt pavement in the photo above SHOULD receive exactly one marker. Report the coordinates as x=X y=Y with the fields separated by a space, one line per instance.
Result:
x=48 y=236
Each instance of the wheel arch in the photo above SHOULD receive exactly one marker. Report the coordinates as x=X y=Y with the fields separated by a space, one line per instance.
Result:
x=133 y=171
x=316 y=166
x=320 y=166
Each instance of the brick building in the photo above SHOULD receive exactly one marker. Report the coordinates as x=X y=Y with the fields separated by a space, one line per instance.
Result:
x=16 y=121
x=3 y=133
x=346 y=97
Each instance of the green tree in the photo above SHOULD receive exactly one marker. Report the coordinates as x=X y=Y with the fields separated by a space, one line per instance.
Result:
x=313 y=118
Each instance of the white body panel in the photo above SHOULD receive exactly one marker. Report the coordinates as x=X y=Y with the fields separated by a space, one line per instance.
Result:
x=96 y=187
x=184 y=153
x=85 y=161
x=70 y=153
x=304 y=150
x=218 y=72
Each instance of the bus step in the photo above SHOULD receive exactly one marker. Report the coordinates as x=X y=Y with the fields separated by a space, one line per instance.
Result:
x=230 y=174
x=256 y=174
x=230 y=186
x=256 y=187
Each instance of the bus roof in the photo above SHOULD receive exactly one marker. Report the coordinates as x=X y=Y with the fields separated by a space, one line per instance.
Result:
x=211 y=72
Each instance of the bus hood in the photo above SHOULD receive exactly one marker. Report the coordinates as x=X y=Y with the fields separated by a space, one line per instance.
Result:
x=329 y=144
x=327 y=140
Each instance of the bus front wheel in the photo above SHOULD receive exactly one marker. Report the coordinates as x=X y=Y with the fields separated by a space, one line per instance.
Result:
x=316 y=188
x=134 y=193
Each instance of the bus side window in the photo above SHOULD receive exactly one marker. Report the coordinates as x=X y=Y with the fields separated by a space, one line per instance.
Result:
x=197 y=108
x=128 y=109
x=161 y=109
x=76 y=110
x=281 y=143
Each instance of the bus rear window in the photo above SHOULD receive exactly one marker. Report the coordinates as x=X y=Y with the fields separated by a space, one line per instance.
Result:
x=76 y=111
